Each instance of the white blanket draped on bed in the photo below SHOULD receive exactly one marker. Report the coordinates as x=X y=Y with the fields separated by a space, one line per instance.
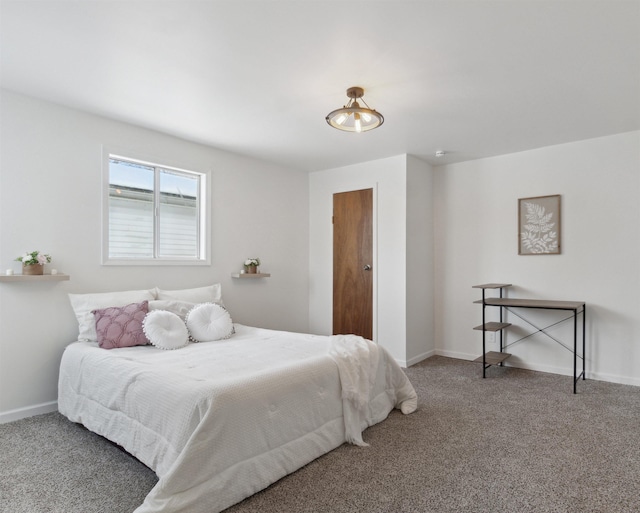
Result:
x=219 y=421
x=358 y=362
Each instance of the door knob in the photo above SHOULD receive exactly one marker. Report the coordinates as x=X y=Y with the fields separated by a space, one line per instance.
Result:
x=367 y=267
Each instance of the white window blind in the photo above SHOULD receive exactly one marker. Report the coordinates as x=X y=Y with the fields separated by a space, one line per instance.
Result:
x=155 y=213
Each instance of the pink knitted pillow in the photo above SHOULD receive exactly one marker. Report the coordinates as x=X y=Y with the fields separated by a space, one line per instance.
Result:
x=121 y=326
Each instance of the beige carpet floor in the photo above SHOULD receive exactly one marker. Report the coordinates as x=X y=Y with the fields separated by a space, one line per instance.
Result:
x=518 y=441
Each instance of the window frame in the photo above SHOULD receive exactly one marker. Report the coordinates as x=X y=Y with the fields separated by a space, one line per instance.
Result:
x=204 y=214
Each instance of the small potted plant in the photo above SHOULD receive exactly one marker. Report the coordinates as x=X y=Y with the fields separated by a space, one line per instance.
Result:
x=251 y=265
x=33 y=262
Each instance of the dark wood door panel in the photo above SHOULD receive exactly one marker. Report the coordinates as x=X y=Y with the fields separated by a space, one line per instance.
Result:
x=352 y=263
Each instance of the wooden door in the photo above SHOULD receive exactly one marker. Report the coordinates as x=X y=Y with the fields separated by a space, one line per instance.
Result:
x=352 y=263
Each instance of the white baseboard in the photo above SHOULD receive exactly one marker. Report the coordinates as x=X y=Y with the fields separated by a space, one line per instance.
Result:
x=420 y=357
x=455 y=354
x=612 y=378
x=551 y=369
x=29 y=411
x=416 y=359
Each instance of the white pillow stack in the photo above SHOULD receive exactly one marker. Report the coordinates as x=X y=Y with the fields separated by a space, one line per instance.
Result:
x=175 y=316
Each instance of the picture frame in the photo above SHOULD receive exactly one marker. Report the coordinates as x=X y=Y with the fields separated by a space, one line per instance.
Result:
x=539 y=225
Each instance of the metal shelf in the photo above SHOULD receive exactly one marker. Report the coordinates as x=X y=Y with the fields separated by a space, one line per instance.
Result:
x=489 y=358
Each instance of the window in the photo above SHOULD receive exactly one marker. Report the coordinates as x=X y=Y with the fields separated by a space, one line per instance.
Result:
x=154 y=214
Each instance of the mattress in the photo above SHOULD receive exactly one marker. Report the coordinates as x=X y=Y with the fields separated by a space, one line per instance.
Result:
x=219 y=421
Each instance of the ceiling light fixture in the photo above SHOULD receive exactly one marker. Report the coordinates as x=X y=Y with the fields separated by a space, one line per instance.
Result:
x=352 y=117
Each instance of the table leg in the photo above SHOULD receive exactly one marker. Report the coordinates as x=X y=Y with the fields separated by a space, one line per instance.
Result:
x=584 y=355
x=575 y=347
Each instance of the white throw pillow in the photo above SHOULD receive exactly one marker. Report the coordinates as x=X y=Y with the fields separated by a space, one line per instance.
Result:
x=208 y=322
x=83 y=304
x=210 y=294
x=165 y=330
x=180 y=308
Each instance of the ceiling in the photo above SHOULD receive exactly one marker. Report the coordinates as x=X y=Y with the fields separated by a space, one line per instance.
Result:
x=473 y=78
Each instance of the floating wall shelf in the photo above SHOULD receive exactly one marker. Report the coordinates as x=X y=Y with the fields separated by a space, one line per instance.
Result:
x=36 y=277
x=243 y=276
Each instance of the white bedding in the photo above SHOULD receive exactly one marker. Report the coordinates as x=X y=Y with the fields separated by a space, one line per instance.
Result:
x=219 y=421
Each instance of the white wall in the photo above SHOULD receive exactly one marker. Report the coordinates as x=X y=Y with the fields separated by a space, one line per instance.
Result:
x=50 y=166
x=389 y=179
x=50 y=191
x=420 y=261
x=476 y=242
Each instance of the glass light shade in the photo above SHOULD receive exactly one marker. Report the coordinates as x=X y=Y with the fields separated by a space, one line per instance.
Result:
x=352 y=117
x=345 y=119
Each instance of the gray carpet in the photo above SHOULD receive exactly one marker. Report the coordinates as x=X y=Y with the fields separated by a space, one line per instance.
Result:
x=518 y=441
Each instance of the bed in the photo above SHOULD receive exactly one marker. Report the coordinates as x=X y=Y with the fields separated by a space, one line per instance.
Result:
x=220 y=420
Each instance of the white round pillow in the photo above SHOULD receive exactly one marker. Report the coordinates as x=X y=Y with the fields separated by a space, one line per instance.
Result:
x=208 y=322
x=165 y=330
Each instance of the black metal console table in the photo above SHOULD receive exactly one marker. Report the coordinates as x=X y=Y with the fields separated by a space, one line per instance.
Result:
x=496 y=358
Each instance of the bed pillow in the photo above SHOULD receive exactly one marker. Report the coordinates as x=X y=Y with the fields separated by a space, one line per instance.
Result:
x=165 y=329
x=121 y=326
x=83 y=304
x=180 y=308
x=210 y=294
x=208 y=322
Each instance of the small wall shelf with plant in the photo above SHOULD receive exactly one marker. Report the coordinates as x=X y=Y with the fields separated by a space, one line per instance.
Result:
x=251 y=270
x=33 y=269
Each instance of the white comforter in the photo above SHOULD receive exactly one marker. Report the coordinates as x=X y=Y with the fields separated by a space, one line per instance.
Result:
x=219 y=421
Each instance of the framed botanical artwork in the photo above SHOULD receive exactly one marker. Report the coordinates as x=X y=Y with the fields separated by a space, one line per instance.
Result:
x=539 y=225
